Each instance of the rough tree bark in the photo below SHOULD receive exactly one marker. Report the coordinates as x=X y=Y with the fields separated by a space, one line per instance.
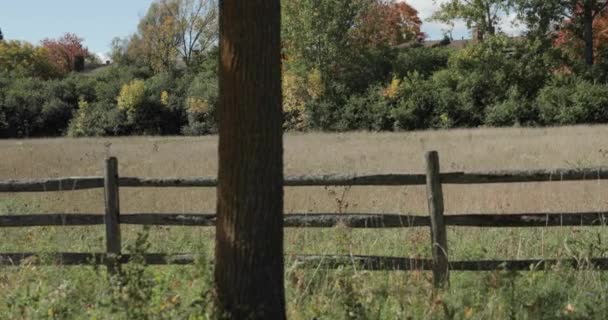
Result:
x=249 y=231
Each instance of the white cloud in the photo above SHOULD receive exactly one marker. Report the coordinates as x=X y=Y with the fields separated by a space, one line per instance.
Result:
x=435 y=30
x=103 y=57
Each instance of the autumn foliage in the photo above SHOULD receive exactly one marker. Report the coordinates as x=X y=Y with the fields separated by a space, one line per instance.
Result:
x=388 y=23
x=569 y=36
x=65 y=52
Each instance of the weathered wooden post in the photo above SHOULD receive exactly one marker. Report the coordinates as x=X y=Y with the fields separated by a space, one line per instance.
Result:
x=438 y=232
x=112 y=206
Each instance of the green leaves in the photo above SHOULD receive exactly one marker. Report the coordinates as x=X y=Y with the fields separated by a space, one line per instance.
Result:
x=484 y=15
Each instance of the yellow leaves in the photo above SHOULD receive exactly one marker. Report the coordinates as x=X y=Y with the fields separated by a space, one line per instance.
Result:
x=295 y=96
x=158 y=33
x=82 y=104
x=316 y=86
x=77 y=122
x=132 y=96
x=197 y=106
x=164 y=98
x=24 y=58
x=392 y=91
x=170 y=303
x=468 y=313
x=569 y=309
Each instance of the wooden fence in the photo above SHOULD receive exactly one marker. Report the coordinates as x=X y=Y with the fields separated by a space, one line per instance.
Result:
x=439 y=264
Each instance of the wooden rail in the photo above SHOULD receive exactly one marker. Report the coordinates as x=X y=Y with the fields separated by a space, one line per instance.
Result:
x=513 y=176
x=320 y=220
x=436 y=220
x=373 y=263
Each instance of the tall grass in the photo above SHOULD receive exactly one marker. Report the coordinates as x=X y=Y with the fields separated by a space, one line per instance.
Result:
x=184 y=292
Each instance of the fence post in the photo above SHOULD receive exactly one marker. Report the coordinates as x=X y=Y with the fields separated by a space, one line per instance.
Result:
x=112 y=206
x=438 y=230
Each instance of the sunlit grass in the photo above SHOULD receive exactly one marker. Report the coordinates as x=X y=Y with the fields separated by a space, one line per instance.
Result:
x=36 y=292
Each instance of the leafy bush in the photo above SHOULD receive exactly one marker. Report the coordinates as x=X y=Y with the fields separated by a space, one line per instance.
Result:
x=200 y=117
x=97 y=119
x=486 y=81
x=369 y=111
x=516 y=110
x=295 y=97
x=416 y=109
x=132 y=97
x=424 y=61
x=325 y=111
x=497 y=82
x=22 y=108
x=201 y=99
x=55 y=115
x=573 y=101
x=22 y=59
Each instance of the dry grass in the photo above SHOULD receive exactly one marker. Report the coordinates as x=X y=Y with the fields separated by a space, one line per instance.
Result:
x=317 y=153
x=397 y=295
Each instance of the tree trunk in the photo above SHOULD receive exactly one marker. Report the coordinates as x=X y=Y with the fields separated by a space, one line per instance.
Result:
x=249 y=231
x=491 y=29
x=588 y=33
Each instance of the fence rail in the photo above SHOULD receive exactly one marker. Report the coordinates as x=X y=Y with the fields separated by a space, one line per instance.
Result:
x=373 y=263
x=320 y=220
x=439 y=263
x=513 y=176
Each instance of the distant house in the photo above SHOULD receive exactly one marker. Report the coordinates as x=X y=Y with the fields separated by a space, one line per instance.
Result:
x=448 y=43
x=456 y=44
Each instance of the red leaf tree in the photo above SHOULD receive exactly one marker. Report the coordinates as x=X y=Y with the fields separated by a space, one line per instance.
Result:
x=585 y=31
x=387 y=22
x=66 y=53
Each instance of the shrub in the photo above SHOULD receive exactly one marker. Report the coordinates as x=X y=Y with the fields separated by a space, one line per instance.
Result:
x=97 y=119
x=105 y=83
x=368 y=67
x=22 y=59
x=424 y=61
x=131 y=97
x=516 y=110
x=201 y=99
x=416 y=109
x=477 y=87
x=22 y=107
x=573 y=101
x=55 y=116
x=295 y=96
x=200 y=121
x=369 y=111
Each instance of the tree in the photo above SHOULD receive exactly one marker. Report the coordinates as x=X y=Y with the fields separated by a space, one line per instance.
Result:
x=577 y=17
x=170 y=30
x=316 y=32
x=1 y=35
x=249 y=268
x=338 y=42
x=196 y=25
x=132 y=97
x=483 y=15
x=24 y=59
x=568 y=38
x=65 y=52
x=157 y=38
x=388 y=23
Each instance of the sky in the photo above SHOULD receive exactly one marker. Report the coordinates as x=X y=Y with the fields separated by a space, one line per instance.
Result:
x=98 y=22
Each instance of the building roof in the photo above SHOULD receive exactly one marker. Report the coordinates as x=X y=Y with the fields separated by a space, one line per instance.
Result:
x=456 y=44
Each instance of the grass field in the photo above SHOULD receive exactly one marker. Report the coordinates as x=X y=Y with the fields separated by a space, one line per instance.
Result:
x=31 y=292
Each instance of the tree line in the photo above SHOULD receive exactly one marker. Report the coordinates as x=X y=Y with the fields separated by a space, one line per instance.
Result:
x=346 y=65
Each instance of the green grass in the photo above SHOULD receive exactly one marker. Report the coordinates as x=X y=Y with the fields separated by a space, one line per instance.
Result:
x=184 y=292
